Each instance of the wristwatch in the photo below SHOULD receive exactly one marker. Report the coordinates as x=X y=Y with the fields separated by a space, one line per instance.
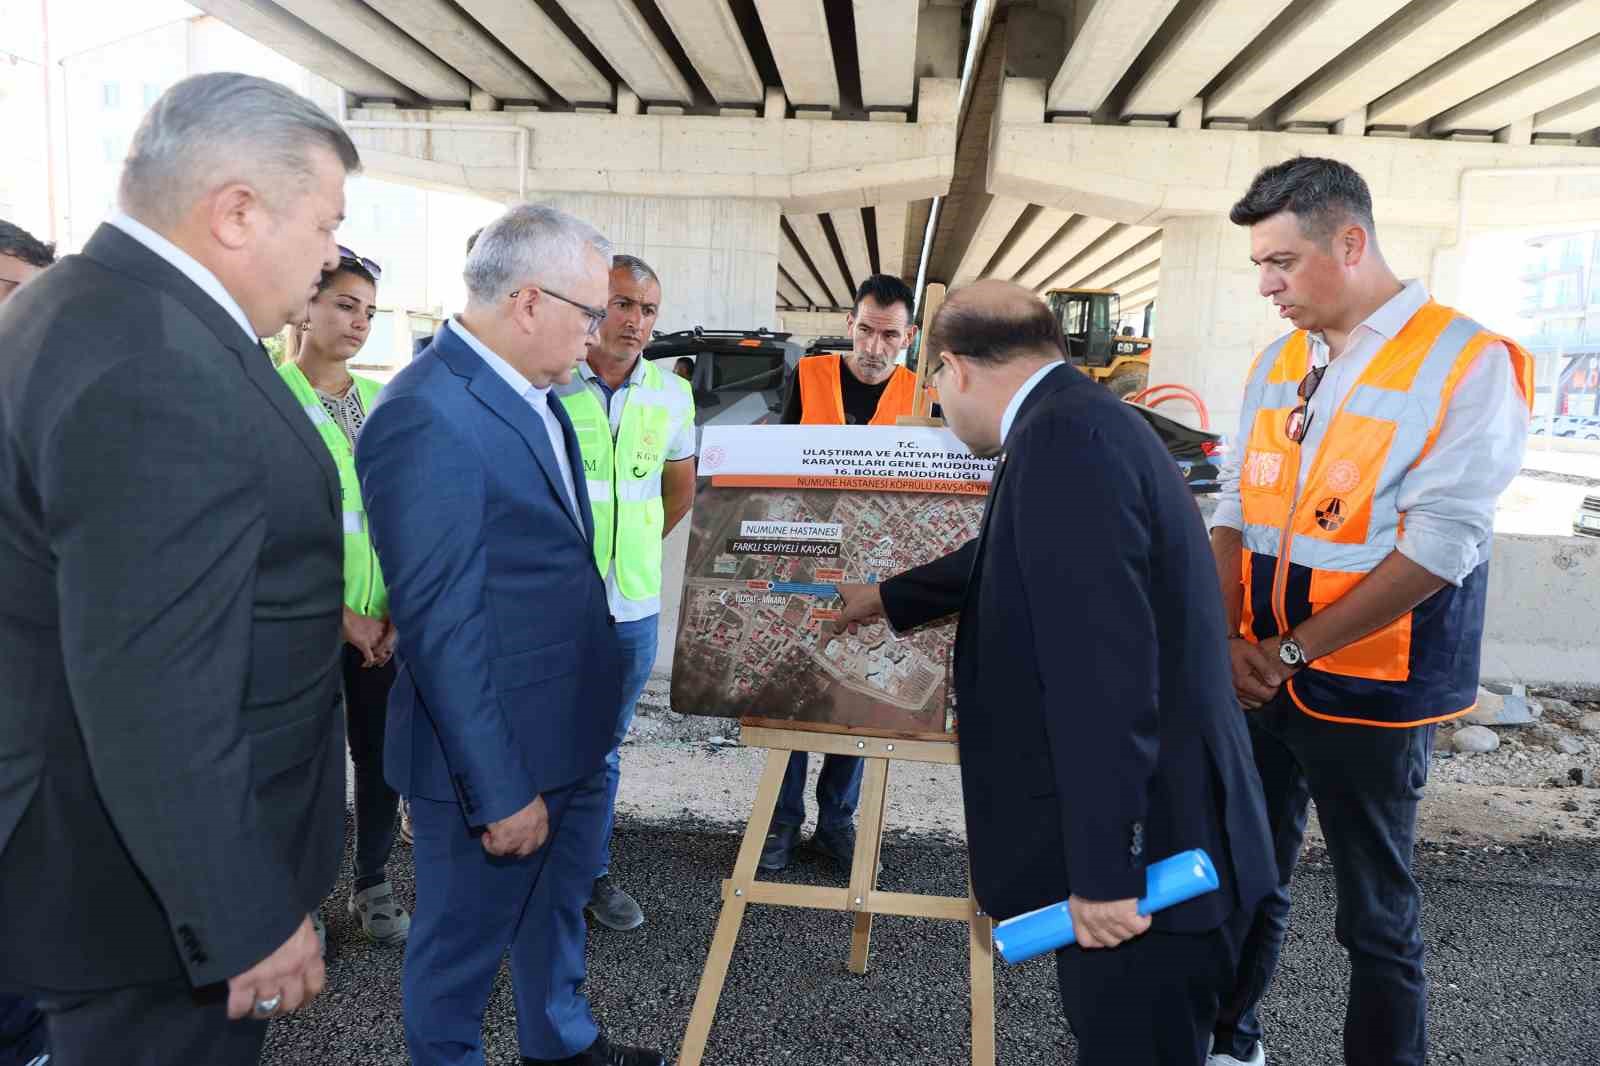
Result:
x=1290 y=653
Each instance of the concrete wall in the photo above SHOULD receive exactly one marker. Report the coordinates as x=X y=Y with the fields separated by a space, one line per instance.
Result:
x=1544 y=606
x=718 y=259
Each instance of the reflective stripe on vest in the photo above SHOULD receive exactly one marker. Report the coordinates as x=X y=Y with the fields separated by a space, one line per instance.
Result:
x=1306 y=550
x=364 y=591
x=822 y=396
x=624 y=475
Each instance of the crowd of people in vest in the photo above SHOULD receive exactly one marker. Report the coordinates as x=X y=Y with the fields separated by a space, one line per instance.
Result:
x=1351 y=548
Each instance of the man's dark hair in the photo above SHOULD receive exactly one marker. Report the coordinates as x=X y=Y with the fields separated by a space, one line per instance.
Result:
x=1323 y=194
x=997 y=334
x=472 y=239
x=886 y=290
x=18 y=243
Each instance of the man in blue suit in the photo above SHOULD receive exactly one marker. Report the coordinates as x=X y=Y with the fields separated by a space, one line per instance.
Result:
x=502 y=712
x=1099 y=729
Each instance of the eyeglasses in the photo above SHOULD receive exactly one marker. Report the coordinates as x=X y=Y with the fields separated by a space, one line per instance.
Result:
x=596 y=315
x=349 y=258
x=1298 y=423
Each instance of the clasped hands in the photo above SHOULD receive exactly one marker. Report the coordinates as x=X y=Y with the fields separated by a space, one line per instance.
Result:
x=1258 y=673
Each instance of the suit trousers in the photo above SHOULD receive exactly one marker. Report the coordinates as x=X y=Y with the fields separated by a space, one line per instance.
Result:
x=1153 y=1000
x=1366 y=782
x=471 y=905
x=167 y=1024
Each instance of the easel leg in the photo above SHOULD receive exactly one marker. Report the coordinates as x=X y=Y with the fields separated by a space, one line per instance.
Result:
x=864 y=867
x=980 y=954
x=732 y=914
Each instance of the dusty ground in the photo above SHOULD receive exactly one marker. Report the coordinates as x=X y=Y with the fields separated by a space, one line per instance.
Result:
x=677 y=766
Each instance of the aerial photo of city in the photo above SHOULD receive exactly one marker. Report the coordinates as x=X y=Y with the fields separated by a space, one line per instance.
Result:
x=756 y=592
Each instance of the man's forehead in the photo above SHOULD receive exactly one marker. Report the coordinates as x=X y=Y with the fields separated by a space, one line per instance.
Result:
x=880 y=317
x=624 y=283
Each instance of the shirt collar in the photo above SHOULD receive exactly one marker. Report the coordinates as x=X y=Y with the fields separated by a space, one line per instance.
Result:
x=186 y=264
x=635 y=376
x=512 y=376
x=1021 y=395
x=1387 y=321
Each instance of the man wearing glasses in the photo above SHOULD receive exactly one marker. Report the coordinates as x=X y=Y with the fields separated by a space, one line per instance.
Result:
x=1352 y=546
x=635 y=426
x=505 y=704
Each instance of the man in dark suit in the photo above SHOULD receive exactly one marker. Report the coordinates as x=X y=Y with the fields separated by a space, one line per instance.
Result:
x=171 y=763
x=510 y=670
x=1098 y=727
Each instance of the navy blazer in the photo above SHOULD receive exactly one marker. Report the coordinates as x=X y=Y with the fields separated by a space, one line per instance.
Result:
x=1098 y=724
x=509 y=670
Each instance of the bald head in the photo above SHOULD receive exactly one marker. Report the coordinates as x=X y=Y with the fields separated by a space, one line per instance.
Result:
x=987 y=340
x=997 y=322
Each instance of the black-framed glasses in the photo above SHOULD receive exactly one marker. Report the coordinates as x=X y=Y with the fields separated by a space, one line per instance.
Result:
x=350 y=258
x=1298 y=423
x=596 y=315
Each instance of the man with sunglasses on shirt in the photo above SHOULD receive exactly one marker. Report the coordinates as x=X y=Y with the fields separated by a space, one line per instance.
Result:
x=1352 y=544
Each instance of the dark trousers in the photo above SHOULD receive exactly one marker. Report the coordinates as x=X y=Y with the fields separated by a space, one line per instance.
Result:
x=167 y=1024
x=838 y=791
x=1366 y=782
x=1151 y=1001
x=366 y=712
x=21 y=1030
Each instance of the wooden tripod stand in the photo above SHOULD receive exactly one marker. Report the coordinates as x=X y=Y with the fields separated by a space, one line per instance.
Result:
x=861 y=897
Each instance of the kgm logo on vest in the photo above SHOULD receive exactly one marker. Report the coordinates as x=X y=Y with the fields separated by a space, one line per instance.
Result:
x=1331 y=514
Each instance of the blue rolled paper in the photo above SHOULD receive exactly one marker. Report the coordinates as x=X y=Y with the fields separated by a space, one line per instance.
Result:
x=1173 y=880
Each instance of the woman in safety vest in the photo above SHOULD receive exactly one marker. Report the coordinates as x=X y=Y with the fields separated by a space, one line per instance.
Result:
x=338 y=322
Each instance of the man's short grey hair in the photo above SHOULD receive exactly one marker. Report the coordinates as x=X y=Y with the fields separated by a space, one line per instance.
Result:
x=533 y=243
x=637 y=267
x=213 y=130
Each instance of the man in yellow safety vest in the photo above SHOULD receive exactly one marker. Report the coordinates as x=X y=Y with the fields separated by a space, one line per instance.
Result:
x=635 y=426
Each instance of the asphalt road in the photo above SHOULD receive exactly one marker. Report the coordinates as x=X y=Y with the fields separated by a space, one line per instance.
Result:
x=1513 y=939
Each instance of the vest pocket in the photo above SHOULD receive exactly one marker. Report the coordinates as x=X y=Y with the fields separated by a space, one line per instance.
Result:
x=1383 y=655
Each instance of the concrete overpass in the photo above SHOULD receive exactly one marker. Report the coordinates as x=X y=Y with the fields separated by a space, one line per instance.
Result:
x=768 y=154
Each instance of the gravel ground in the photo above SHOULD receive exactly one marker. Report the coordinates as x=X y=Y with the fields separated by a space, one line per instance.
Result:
x=1514 y=945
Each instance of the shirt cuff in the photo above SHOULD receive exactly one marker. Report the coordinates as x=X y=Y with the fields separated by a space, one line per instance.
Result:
x=1229 y=514
x=1444 y=549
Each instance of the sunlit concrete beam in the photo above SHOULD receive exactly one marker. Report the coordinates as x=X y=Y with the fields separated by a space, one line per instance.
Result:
x=619 y=33
x=1214 y=34
x=797 y=33
x=1112 y=244
x=1034 y=229
x=852 y=233
x=1577 y=115
x=815 y=242
x=1105 y=46
x=440 y=28
x=1074 y=239
x=1140 y=256
x=886 y=51
x=384 y=46
x=531 y=36
x=1544 y=86
x=710 y=37
x=794 y=265
x=999 y=216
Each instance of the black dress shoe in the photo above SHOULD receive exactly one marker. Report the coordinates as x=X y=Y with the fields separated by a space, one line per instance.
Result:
x=779 y=848
x=838 y=844
x=604 y=1053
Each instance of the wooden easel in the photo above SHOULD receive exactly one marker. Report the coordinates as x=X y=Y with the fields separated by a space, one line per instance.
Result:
x=861 y=897
x=932 y=297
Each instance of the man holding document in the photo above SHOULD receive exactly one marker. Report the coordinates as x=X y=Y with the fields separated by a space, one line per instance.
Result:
x=1098 y=726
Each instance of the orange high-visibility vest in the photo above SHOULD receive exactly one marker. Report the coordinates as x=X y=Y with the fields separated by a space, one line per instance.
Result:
x=1303 y=552
x=822 y=398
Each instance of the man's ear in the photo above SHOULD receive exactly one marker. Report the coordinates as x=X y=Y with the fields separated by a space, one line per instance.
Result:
x=911 y=335
x=958 y=372
x=849 y=323
x=233 y=214
x=1353 y=244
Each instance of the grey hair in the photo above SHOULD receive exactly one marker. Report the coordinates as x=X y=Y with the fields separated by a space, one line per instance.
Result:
x=213 y=130
x=529 y=243
x=640 y=270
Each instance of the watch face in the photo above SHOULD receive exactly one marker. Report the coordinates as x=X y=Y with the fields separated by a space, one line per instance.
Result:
x=1290 y=653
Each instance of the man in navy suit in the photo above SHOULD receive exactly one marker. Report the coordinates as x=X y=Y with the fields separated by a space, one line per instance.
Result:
x=1098 y=725
x=503 y=708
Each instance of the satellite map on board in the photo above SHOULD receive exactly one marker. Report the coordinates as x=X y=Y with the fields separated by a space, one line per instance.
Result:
x=763 y=560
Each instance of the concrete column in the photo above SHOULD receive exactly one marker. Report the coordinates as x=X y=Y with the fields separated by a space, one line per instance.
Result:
x=1519 y=132
x=482 y=101
x=1211 y=320
x=1193 y=114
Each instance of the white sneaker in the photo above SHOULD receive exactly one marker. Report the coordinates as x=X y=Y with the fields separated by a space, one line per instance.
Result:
x=1258 y=1058
x=382 y=919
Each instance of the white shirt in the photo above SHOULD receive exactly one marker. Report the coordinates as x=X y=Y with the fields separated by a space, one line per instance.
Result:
x=188 y=265
x=1020 y=395
x=536 y=398
x=681 y=447
x=1449 y=497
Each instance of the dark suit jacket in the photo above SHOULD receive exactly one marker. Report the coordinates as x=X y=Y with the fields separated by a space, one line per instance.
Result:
x=1098 y=725
x=171 y=563
x=510 y=675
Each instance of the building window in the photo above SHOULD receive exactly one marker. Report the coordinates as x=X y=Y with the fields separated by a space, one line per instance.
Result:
x=110 y=95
